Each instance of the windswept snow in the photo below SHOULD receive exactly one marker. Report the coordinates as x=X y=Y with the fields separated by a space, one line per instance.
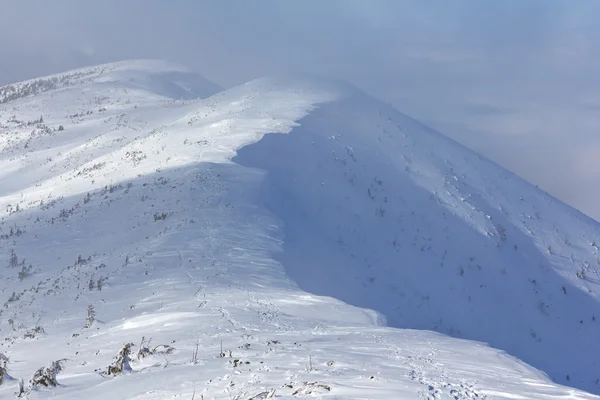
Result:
x=412 y=225
x=313 y=262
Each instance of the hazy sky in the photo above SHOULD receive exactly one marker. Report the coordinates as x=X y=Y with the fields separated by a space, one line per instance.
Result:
x=516 y=80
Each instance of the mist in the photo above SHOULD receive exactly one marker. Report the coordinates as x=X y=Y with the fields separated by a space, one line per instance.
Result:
x=517 y=81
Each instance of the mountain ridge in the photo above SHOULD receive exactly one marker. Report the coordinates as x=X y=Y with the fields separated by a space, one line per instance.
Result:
x=182 y=209
x=516 y=239
x=116 y=72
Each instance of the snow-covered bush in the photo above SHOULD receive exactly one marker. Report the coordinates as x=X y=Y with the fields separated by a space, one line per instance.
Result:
x=46 y=376
x=122 y=361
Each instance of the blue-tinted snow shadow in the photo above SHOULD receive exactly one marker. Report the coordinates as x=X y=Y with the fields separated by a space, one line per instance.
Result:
x=359 y=231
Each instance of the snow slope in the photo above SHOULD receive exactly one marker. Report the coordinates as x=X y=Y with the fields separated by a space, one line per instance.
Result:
x=176 y=218
x=431 y=235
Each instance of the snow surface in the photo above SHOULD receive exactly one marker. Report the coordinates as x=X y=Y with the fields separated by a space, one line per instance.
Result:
x=312 y=233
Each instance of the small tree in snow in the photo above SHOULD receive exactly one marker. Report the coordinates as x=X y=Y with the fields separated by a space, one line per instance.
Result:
x=46 y=376
x=91 y=316
x=14 y=260
x=4 y=369
x=122 y=361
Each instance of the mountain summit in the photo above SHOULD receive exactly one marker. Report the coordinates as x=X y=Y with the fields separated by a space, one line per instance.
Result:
x=290 y=237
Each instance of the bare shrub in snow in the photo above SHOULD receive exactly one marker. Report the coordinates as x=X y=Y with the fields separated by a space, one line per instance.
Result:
x=82 y=261
x=160 y=217
x=309 y=367
x=25 y=272
x=269 y=394
x=162 y=349
x=195 y=355
x=33 y=333
x=21 y=391
x=143 y=350
x=146 y=350
x=310 y=388
x=501 y=231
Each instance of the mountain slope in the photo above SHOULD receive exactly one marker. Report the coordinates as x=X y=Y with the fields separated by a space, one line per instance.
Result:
x=412 y=225
x=178 y=220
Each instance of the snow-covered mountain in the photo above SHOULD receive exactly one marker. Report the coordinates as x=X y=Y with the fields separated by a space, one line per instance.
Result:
x=290 y=237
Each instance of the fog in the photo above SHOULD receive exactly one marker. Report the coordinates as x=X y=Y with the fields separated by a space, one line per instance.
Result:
x=518 y=81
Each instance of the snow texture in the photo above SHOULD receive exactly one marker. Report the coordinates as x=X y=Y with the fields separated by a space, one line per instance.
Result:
x=287 y=238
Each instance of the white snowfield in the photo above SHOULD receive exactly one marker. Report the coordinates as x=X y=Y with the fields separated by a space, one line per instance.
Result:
x=139 y=200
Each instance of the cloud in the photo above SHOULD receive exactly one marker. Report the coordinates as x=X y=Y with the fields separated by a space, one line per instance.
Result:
x=500 y=76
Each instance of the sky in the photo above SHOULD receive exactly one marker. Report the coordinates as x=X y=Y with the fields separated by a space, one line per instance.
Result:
x=517 y=81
